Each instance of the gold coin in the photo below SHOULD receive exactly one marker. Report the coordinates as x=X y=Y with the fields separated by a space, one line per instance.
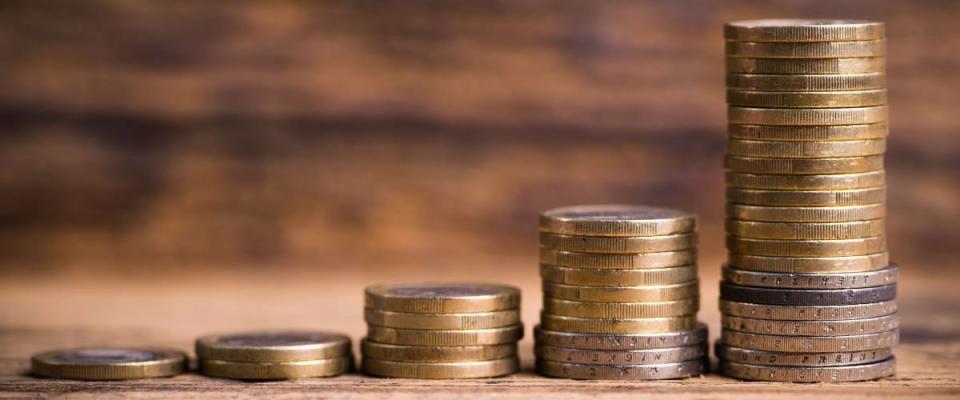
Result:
x=630 y=341
x=827 y=84
x=805 y=230
x=808 y=133
x=864 y=48
x=446 y=370
x=492 y=319
x=809 y=198
x=274 y=370
x=758 y=357
x=811 y=328
x=105 y=364
x=621 y=357
x=810 y=344
x=616 y=220
x=442 y=297
x=679 y=370
x=618 y=277
x=806 y=214
x=857 y=180
x=794 y=149
x=429 y=337
x=807 y=116
x=393 y=352
x=810 y=265
x=622 y=294
x=812 y=99
x=807 y=248
x=571 y=259
x=803 y=30
x=617 y=326
x=849 y=280
x=846 y=373
x=589 y=309
x=273 y=346
x=804 y=166
x=806 y=65
x=635 y=244
x=808 y=313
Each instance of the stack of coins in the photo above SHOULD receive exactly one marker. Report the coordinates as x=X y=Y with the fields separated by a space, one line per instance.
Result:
x=441 y=331
x=274 y=355
x=108 y=364
x=620 y=294
x=808 y=292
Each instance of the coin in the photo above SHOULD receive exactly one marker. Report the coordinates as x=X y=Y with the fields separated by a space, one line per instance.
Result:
x=588 y=309
x=618 y=277
x=442 y=297
x=279 y=346
x=609 y=325
x=802 y=30
x=622 y=294
x=812 y=99
x=805 y=230
x=102 y=364
x=632 y=341
x=622 y=357
x=808 y=313
x=807 y=248
x=625 y=372
x=392 y=352
x=809 y=198
x=848 y=373
x=864 y=48
x=806 y=214
x=849 y=280
x=828 y=84
x=666 y=259
x=810 y=265
x=482 y=320
x=758 y=357
x=809 y=344
x=807 y=116
x=811 y=328
x=616 y=220
x=636 y=244
x=807 y=297
x=806 y=65
x=451 y=370
x=803 y=166
x=808 y=133
x=858 y=180
x=815 y=150
x=427 y=337
x=275 y=370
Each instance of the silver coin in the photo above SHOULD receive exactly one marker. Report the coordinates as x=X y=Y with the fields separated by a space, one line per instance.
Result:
x=622 y=372
x=759 y=357
x=622 y=357
x=598 y=341
x=849 y=373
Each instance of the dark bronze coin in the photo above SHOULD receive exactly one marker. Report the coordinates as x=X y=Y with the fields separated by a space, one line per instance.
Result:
x=807 y=297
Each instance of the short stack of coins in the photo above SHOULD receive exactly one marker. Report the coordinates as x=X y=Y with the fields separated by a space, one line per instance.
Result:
x=620 y=294
x=808 y=293
x=274 y=355
x=441 y=331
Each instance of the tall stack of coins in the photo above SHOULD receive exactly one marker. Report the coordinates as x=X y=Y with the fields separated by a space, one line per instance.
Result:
x=808 y=294
x=441 y=331
x=620 y=294
x=274 y=355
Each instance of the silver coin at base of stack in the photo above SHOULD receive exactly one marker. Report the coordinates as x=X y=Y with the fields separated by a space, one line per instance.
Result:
x=809 y=293
x=274 y=355
x=620 y=294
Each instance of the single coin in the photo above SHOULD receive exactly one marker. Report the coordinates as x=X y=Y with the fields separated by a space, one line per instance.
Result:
x=429 y=337
x=826 y=84
x=666 y=259
x=809 y=132
x=816 y=150
x=808 y=313
x=849 y=373
x=621 y=372
x=863 y=48
x=807 y=297
x=810 y=265
x=849 y=280
x=622 y=294
x=618 y=277
x=807 y=116
x=803 y=166
x=758 y=357
x=805 y=230
x=609 y=325
x=442 y=297
x=104 y=364
x=807 y=248
x=275 y=370
x=633 y=341
x=273 y=346
x=446 y=370
x=812 y=99
x=589 y=309
x=393 y=352
x=806 y=214
x=807 y=198
x=811 y=328
x=810 y=344
x=858 y=180
x=803 y=30
x=492 y=319
x=806 y=65
x=636 y=244
x=617 y=220
x=621 y=357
